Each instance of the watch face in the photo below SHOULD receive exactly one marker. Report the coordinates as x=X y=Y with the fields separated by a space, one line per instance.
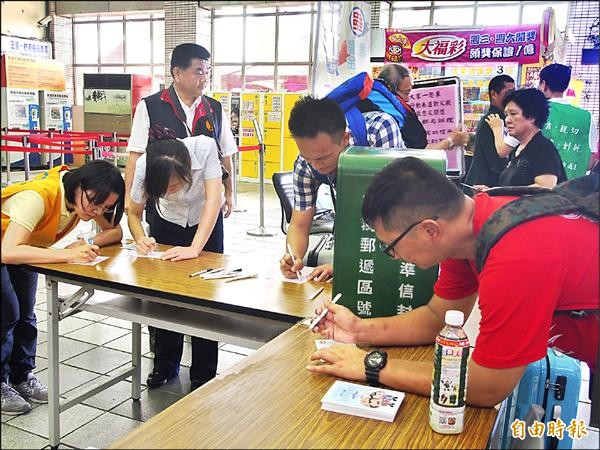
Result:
x=375 y=359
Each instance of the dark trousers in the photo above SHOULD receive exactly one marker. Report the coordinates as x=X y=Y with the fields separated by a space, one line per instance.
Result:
x=168 y=345
x=19 y=330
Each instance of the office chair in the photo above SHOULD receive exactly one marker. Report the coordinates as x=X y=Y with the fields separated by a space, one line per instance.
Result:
x=283 y=182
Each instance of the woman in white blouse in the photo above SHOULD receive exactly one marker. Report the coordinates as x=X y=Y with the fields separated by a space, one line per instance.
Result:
x=181 y=178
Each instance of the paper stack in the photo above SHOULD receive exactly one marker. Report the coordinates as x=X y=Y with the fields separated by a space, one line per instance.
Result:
x=364 y=401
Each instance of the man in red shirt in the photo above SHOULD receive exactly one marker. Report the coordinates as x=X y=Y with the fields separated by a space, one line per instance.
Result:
x=536 y=269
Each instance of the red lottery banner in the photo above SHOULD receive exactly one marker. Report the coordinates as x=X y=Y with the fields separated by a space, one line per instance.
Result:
x=519 y=43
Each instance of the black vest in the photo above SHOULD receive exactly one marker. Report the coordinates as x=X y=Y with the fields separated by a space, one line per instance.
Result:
x=164 y=109
x=413 y=132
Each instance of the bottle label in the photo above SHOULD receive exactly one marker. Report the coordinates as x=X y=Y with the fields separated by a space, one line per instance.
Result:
x=449 y=383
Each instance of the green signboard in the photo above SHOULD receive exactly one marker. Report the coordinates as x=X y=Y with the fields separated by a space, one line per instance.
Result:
x=373 y=284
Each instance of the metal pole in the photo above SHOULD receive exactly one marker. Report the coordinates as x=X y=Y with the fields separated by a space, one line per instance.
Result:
x=7 y=158
x=261 y=231
x=51 y=158
x=235 y=159
x=26 y=167
x=62 y=155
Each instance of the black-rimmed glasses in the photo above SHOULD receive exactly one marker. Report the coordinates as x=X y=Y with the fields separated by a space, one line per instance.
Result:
x=94 y=207
x=389 y=249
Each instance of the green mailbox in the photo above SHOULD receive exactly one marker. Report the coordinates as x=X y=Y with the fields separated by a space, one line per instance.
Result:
x=372 y=284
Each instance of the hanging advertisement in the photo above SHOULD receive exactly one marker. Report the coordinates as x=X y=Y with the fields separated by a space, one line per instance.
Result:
x=26 y=47
x=342 y=44
x=519 y=43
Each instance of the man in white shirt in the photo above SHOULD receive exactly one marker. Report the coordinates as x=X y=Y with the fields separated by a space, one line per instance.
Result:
x=184 y=109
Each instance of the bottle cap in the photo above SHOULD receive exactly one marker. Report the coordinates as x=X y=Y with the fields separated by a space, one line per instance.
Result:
x=455 y=318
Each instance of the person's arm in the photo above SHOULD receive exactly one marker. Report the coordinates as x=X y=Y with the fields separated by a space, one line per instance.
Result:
x=487 y=386
x=456 y=137
x=16 y=249
x=228 y=206
x=109 y=234
x=324 y=272
x=144 y=244
x=297 y=238
x=136 y=145
x=496 y=124
x=206 y=224
x=129 y=171
x=417 y=327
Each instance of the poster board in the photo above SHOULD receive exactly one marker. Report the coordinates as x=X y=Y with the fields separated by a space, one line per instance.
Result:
x=438 y=104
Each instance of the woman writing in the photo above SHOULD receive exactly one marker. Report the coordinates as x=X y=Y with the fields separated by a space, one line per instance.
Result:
x=181 y=178
x=35 y=215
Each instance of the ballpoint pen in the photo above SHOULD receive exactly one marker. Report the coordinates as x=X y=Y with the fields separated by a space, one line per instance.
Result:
x=316 y=294
x=317 y=319
x=242 y=277
x=195 y=274
x=289 y=248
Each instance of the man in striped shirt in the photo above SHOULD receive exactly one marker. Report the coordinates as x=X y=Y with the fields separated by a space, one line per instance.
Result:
x=319 y=129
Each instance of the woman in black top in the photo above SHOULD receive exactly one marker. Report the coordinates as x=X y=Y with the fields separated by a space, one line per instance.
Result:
x=535 y=161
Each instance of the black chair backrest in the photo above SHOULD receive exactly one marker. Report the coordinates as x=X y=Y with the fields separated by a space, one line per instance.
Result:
x=283 y=182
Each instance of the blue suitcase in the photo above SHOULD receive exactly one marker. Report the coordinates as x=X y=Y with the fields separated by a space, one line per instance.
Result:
x=553 y=382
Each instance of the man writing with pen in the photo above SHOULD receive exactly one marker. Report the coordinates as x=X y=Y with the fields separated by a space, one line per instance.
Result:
x=182 y=178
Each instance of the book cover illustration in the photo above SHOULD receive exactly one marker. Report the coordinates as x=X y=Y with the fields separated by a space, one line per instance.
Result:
x=363 y=401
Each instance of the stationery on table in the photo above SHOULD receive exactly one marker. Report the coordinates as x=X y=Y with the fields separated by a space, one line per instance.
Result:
x=317 y=319
x=151 y=254
x=316 y=293
x=200 y=272
x=242 y=277
x=221 y=273
x=363 y=401
x=98 y=260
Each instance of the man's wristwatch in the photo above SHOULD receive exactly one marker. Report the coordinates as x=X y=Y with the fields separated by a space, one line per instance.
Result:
x=375 y=360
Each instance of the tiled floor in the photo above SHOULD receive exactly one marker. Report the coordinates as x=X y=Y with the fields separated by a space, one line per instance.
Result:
x=92 y=346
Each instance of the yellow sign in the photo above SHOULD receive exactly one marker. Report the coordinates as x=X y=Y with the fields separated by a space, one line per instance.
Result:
x=34 y=73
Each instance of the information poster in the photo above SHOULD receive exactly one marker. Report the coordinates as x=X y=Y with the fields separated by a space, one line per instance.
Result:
x=107 y=101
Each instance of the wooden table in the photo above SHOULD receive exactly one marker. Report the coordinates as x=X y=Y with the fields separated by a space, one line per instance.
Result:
x=162 y=294
x=269 y=400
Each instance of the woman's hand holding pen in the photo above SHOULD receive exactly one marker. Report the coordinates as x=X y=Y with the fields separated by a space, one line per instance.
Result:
x=82 y=253
x=180 y=253
x=339 y=324
x=145 y=245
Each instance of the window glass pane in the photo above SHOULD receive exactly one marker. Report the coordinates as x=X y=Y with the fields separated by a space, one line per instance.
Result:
x=229 y=39
x=532 y=14
x=139 y=70
x=260 y=39
x=410 y=4
x=79 y=71
x=111 y=43
x=227 y=78
x=452 y=2
x=158 y=78
x=138 y=16
x=407 y=18
x=292 y=78
x=112 y=69
x=260 y=78
x=85 y=18
x=137 y=40
x=108 y=18
x=299 y=8
x=488 y=15
x=229 y=10
x=294 y=38
x=158 y=41
x=251 y=9
x=159 y=15
x=453 y=16
x=86 y=43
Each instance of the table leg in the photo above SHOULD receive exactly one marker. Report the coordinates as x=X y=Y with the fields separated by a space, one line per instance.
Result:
x=53 y=360
x=136 y=360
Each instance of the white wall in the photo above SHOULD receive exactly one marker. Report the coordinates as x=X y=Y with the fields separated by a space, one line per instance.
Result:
x=20 y=19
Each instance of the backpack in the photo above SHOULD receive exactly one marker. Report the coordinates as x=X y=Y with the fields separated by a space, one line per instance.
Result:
x=360 y=90
x=579 y=195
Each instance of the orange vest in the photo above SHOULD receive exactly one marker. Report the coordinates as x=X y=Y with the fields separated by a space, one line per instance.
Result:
x=47 y=185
